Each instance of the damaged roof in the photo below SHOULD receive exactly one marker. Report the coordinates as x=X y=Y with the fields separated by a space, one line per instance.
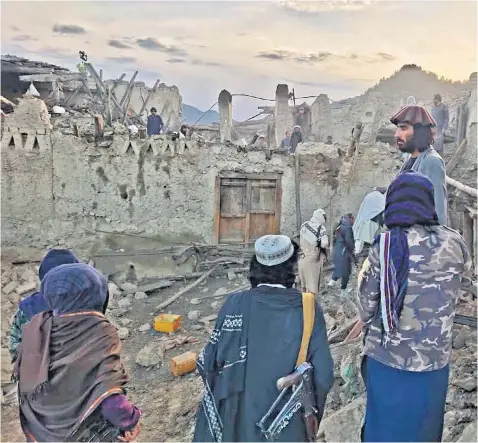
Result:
x=12 y=63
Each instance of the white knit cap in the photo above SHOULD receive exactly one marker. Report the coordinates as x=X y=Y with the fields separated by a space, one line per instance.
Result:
x=272 y=250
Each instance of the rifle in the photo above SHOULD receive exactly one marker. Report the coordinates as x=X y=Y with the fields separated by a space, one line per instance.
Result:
x=300 y=382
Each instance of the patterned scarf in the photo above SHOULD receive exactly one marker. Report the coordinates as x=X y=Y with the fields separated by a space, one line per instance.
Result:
x=410 y=201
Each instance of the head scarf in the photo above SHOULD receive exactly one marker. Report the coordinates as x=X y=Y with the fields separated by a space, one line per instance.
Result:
x=312 y=230
x=409 y=201
x=69 y=359
x=74 y=288
x=35 y=303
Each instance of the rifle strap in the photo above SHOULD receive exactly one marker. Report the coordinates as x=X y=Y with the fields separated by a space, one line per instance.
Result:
x=308 y=307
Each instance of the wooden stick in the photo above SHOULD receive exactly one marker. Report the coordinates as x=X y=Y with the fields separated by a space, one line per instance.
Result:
x=184 y=290
x=344 y=329
x=460 y=186
x=147 y=98
x=456 y=157
x=130 y=86
x=204 y=297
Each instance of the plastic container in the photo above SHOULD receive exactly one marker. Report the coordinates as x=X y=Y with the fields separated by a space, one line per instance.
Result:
x=167 y=323
x=183 y=364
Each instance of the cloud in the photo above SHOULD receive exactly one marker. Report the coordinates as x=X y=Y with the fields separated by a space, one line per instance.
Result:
x=23 y=38
x=313 y=58
x=122 y=59
x=151 y=44
x=115 y=43
x=203 y=63
x=176 y=60
x=69 y=29
x=326 y=6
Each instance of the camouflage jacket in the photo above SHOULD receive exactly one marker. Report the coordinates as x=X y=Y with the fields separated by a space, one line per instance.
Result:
x=440 y=267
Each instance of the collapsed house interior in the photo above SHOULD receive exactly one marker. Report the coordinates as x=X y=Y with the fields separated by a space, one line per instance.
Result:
x=154 y=213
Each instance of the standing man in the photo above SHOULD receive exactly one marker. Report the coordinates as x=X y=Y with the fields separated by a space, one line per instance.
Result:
x=407 y=296
x=285 y=143
x=441 y=115
x=414 y=136
x=155 y=123
x=295 y=139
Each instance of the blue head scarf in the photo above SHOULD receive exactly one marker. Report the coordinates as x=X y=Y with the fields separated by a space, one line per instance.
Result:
x=410 y=201
x=35 y=303
x=75 y=288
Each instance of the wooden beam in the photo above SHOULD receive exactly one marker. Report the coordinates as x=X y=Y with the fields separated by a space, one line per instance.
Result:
x=75 y=93
x=461 y=187
x=117 y=82
x=457 y=156
x=50 y=78
x=130 y=86
x=147 y=98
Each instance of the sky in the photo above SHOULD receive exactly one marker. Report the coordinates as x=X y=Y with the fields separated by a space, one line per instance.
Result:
x=339 y=48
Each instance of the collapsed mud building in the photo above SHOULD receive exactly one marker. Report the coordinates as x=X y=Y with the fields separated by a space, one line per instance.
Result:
x=82 y=180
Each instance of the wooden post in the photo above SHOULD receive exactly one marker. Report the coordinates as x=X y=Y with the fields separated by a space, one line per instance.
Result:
x=298 y=219
x=130 y=86
x=463 y=188
x=147 y=98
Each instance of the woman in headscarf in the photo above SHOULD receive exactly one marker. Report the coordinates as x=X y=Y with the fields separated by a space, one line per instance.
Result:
x=343 y=254
x=71 y=378
x=313 y=246
x=255 y=342
x=407 y=298
x=35 y=303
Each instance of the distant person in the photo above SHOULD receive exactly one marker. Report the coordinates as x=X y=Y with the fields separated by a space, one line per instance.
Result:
x=441 y=115
x=414 y=136
x=155 y=123
x=300 y=117
x=343 y=253
x=329 y=140
x=407 y=296
x=285 y=143
x=314 y=243
x=295 y=139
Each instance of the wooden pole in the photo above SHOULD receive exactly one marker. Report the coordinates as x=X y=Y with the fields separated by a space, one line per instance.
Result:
x=117 y=82
x=297 y=190
x=147 y=98
x=457 y=156
x=461 y=187
x=130 y=86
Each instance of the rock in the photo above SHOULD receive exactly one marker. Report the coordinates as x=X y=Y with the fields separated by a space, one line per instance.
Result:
x=220 y=291
x=144 y=328
x=205 y=290
x=329 y=321
x=460 y=340
x=148 y=356
x=28 y=275
x=195 y=301
x=27 y=287
x=125 y=321
x=10 y=287
x=208 y=318
x=7 y=367
x=128 y=287
x=345 y=425
x=231 y=275
x=140 y=296
x=194 y=315
x=162 y=284
x=118 y=312
x=196 y=327
x=375 y=162
x=113 y=290
x=468 y=384
x=469 y=434
x=123 y=333
x=124 y=303
x=215 y=304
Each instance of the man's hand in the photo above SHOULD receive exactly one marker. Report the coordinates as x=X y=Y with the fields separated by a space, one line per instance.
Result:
x=131 y=435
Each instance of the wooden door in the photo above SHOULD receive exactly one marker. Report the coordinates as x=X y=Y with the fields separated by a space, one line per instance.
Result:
x=247 y=207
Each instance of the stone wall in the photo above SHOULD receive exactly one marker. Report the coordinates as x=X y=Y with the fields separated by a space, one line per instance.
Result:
x=70 y=192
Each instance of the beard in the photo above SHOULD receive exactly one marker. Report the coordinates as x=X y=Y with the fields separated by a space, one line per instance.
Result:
x=406 y=146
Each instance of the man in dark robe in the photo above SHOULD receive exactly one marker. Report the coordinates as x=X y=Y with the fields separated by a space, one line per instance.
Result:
x=441 y=115
x=295 y=139
x=255 y=342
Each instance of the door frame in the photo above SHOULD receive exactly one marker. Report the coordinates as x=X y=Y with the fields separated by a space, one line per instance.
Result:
x=248 y=176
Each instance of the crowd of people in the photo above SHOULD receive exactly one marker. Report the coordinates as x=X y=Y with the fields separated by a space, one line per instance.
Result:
x=67 y=356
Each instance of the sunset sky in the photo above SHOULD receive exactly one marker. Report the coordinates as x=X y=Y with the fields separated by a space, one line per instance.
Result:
x=340 y=48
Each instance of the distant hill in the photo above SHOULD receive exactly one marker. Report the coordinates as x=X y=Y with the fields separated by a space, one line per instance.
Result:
x=191 y=115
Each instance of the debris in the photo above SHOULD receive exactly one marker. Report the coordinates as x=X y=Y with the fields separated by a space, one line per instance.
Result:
x=467 y=384
x=183 y=364
x=460 y=340
x=28 y=287
x=220 y=291
x=149 y=355
x=208 y=318
x=145 y=328
x=197 y=300
x=184 y=290
x=162 y=284
x=194 y=315
x=123 y=333
x=129 y=287
x=140 y=296
x=167 y=323
x=343 y=331
x=469 y=433
x=216 y=304
x=7 y=367
x=10 y=287
x=113 y=290
x=125 y=321
x=231 y=275
x=124 y=303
